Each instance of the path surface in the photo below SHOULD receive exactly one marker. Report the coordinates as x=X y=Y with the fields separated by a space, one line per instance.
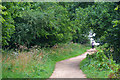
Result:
x=69 y=68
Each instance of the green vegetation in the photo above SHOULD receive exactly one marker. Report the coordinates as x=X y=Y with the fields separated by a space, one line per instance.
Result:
x=103 y=63
x=37 y=63
x=98 y=65
x=37 y=23
x=44 y=24
x=104 y=22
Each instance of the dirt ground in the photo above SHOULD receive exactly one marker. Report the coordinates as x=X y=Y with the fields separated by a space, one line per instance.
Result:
x=69 y=68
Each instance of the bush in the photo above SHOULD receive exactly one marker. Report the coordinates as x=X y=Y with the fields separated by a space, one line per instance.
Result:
x=100 y=64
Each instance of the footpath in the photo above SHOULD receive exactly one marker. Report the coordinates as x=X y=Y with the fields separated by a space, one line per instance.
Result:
x=69 y=68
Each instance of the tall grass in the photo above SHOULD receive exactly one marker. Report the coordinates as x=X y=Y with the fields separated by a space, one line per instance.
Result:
x=37 y=62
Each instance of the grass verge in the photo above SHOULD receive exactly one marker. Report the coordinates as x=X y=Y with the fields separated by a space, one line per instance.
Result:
x=99 y=66
x=37 y=63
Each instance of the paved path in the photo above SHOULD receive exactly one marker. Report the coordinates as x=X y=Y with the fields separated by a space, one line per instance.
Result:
x=69 y=68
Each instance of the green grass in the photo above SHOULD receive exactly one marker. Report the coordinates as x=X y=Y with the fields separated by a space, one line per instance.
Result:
x=68 y=51
x=99 y=66
x=38 y=63
x=92 y=72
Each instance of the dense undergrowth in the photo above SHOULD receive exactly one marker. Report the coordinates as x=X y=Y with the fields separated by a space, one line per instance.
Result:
x=37 y=63
x=99 y=66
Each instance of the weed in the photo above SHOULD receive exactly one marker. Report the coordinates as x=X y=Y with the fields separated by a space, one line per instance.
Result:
x=100 y=66
x=37 y=62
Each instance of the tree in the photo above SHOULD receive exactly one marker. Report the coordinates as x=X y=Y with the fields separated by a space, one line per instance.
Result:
x=7 y=25
x=100 y=16
x=40 y=23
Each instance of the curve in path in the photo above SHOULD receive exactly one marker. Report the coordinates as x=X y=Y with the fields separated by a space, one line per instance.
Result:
x=69 y=68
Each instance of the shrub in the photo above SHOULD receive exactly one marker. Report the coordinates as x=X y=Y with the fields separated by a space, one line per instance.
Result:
x=101 y=64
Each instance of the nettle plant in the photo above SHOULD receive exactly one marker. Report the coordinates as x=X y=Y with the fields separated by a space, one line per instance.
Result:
x=103 y=63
